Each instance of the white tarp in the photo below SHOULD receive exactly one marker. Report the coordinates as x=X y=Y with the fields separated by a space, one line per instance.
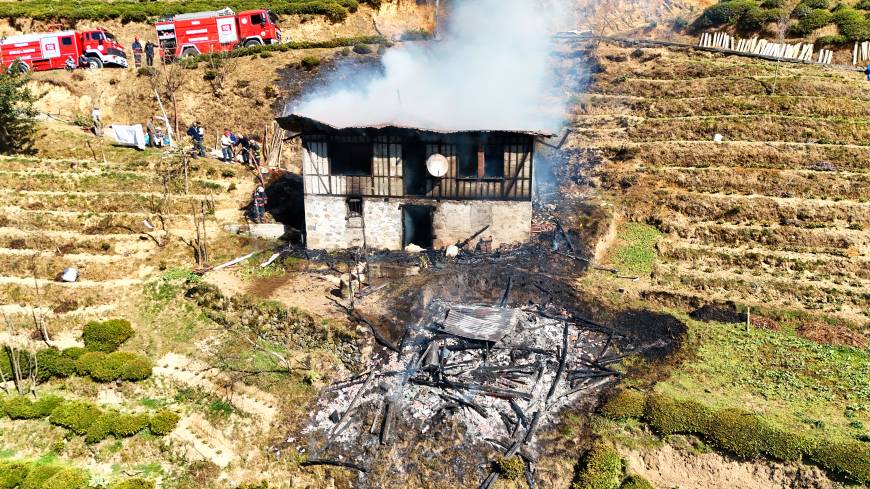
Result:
x=130 y=135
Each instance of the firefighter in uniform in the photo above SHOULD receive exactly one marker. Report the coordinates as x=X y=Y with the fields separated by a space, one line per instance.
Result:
x=259 y=201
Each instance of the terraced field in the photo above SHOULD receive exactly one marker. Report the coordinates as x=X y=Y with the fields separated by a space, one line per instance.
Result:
x=777 y=215
x=92 y=216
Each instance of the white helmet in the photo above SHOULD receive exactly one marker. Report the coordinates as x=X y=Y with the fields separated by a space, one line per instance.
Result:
x=260 y=189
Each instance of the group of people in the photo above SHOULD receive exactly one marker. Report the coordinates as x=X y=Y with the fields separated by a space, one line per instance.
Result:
x=138 y=50
x=154 y=136
x=231 y=145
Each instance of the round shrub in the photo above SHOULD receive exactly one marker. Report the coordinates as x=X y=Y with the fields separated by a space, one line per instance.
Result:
x=134 y=483
x=849 y=459
x=74 y=352
x=362 y=49
x=812 y=20
x=75 y=415
x=68 y=478
x=37 y=475
x=852 y=24
x=737 y=431
x=600 y=468
x=101 y=428
x=12 y=473
x=636 y=482
x=52 y=363
x=511 y=468
x=106 y=336
x=129 y=366
x=90 y=361
x=626 y=403
x=668 y=416
x=129 y=424
x=20 y=407
x=163 y=422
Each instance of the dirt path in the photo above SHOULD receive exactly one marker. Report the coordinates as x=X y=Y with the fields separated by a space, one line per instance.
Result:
x=205 y=440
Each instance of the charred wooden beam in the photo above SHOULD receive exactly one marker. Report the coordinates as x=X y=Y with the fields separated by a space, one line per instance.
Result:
x=464 y=243
x=489 y=481
x=334 y=463
x=519 y=412
x=564 y=235
x=507 y=292
x=469 y=404
x=561 y=367
x=387 y=425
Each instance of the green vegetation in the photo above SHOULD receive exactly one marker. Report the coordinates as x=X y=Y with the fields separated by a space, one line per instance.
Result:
x=118 y=365
x=599 y=468
x=17 y=112
x=511 y=468
x=334 y=10
x=263 y=50
x=748 y=435
x=636 y=482
x=34 y=474
x=636 y=252
x=748 y=15
x=85 y=418
x=106 y=336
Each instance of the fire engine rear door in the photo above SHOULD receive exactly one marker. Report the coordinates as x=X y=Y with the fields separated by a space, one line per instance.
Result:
x=227 y=30
x=50 y=47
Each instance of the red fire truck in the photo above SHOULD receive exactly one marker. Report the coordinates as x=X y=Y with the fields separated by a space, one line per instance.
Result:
x=51 y=50
x=220 y=30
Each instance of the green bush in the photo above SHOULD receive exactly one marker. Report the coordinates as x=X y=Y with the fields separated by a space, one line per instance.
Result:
x=163 y=422
x=129 y=424
x=753 y=19
x=727 y=12
x=849 y=459
x=511 y=468
x=21 y=407
x=814 y=19
x=52 y=363
x=863 y=5
x=89 y=361
x=101 y=428
x=636 y=482
x=68 y=478
x=600 y=468
x=134 y=483
x=119 y=365
x=362 y=49
x=38 y=475
x=852 y=24
x=12 y=473
x=310 y=62
x=784 y=445
x=769 y=4
x=738 y=432
x=75 y=415
x=106 y=336
x=74 y=352
x=625 y=404
x=823 y=4
x=668 y=416
x=831 y=40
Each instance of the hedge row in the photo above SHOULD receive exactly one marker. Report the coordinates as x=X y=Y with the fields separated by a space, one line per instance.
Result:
x=126 y=11
x=32 y=475
x=106 y=336
x=600 y=468
x=293 y=45
x=87 y=419
x=740 y=432
x=102 y=367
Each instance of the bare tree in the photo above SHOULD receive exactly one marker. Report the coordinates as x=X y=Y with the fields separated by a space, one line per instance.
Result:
x=782 y=24
x=22 y=361
x=219 y=66
x=168 y=81
x=199 y=243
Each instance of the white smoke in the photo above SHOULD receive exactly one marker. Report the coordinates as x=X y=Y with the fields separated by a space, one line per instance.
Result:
x=491 y=71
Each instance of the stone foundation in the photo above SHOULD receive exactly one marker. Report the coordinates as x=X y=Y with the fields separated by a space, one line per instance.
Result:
x=329 y=227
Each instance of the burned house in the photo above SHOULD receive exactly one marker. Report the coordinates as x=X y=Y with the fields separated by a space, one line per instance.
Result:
x=389 y=186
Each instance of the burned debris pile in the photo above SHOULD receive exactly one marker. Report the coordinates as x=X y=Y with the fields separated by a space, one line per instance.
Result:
x=500 y=373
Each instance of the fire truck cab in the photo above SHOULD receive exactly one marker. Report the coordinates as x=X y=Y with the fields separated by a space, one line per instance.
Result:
x=51 y=50
x=219 y=30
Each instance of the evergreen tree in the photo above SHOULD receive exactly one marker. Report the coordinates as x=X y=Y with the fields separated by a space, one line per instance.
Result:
x=17 y=112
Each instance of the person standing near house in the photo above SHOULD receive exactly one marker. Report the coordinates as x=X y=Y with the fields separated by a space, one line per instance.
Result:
x=255 y=151
x=149 y=130
x=137 y=52
x=96 y=118
x=227 y=146
x=245 y=143
x=259 y=201
x=149 y=53
x=196 y=132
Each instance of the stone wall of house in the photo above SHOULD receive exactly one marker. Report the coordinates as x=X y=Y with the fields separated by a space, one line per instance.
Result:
x=509 y=222
x=329 y=226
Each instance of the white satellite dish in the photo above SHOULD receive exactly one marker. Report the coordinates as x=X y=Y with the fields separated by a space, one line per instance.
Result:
x=437 y=165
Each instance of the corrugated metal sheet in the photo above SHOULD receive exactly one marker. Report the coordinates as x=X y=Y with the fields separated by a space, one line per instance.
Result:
x=480 y=322
x=300 y=123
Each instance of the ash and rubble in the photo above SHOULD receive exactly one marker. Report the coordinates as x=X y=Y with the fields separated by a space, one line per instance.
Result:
x=500 y=373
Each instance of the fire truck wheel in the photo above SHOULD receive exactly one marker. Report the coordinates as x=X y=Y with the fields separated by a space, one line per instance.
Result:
x=95 y=63
x=252 y=42
x=188 y=53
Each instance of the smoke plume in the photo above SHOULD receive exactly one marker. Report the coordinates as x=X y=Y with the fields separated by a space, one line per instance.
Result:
x=491 y=71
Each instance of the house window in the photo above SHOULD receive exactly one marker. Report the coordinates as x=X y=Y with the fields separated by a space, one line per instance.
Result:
x=466 y=160
x=493 y=161
x=350 y=159
x=354 y=207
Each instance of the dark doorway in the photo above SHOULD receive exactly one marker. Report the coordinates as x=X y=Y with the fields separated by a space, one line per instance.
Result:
x=414 y=163
x=417 y=225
